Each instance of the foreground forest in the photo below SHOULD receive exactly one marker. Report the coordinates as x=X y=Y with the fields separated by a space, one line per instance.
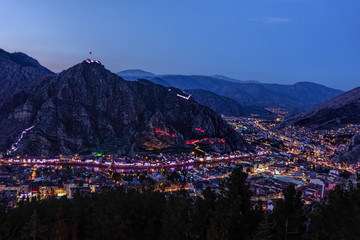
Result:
x=132 y=214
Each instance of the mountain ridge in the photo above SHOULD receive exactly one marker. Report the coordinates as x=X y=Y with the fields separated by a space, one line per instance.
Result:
x=336 y=112
x=87 y=108
x=225 y=105
x=18 y=71
x=294 y=98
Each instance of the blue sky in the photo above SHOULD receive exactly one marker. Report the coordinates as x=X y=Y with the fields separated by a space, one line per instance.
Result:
x=272 y=41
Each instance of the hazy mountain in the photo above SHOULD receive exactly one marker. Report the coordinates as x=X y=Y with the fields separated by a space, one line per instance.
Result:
x=87 y=108
x=336 y=112
x=311 y=92
x=160 y=81
x=298 y=97
x=352 y=152
x=222 y=77
x=135 y=74
x=18 y=71
x=226 y=106
x=219 y=103
x=214 y=85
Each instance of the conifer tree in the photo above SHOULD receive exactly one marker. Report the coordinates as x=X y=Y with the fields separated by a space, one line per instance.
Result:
x=34 y=229
x=60 y=228
x=289 y=217
x=263 y=231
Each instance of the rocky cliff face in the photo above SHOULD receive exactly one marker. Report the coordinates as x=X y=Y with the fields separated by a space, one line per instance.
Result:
x=18 y=72
x=87 y=108
x=352 y=152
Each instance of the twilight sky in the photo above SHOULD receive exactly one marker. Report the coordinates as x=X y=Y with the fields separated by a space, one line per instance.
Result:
x=272 y=41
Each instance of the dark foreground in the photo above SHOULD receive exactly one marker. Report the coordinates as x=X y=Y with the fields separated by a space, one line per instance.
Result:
x=229 y=214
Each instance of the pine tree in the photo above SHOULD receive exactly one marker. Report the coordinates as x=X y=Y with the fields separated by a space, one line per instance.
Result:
x=201 y=214
x=289 y=217
x=34 y=228
x=60 y=228
x=238 y=198
x=338 y=217
x=263 y=231
x=219 y=221
x=176 y=217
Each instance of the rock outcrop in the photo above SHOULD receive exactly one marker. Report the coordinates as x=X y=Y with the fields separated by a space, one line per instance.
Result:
x=18 y=72
x=352 y=152
x=87 y=108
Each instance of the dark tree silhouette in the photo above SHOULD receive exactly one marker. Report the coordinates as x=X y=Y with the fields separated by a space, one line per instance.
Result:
x=289 y=217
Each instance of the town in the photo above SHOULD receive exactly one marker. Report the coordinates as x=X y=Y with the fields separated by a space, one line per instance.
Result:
x=281 y=156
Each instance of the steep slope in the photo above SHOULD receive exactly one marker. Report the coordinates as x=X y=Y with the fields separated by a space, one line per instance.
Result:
x=87 y=108
x=226 y=106
x=18 y=72
x=336 y=112
x=352 y=152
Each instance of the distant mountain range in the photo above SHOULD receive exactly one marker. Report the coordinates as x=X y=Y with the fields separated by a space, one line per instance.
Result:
x=225 y=105
x=87 y=108
x=222 y=77
x=294 y=98
x=336 y=112
x=135 y=74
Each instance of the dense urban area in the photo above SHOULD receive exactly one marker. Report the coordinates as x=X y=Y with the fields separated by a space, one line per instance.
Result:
x=280 y=157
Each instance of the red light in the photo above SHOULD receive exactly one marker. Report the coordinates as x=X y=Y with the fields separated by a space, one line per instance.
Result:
x=199 y=129
x=159 y=131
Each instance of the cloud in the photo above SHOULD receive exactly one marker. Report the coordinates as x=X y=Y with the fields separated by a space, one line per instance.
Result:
x=271 y=20
x=277 y=20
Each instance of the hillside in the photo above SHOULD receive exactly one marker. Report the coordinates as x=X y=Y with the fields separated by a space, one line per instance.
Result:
x=18 y=71
x=226 y=106
x=352 y=153
x=87 y=108
x=336 y=112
